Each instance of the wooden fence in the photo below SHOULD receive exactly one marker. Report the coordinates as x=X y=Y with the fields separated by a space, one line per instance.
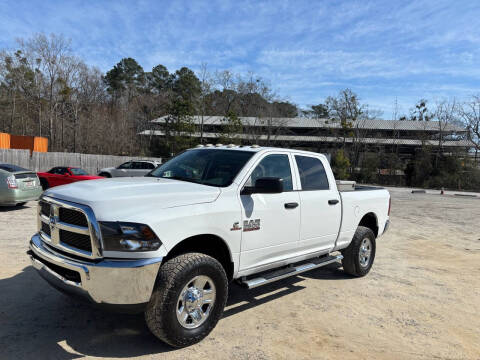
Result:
x=45 y=161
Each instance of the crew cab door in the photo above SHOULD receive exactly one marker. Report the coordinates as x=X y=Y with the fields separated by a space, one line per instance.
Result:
x=321 y=204
x=270 y=222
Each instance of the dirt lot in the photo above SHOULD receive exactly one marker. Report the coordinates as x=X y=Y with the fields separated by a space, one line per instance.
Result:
x=420 y=301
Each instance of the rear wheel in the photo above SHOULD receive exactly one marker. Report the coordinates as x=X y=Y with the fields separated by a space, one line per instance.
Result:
x=21 y=204
x=106 y=175
x=358 y=257
x=188 y=299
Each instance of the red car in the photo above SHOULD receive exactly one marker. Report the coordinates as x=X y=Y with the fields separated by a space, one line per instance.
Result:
x=61 y=175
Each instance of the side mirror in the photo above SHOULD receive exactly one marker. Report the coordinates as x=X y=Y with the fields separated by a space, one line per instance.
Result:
x=266 y=185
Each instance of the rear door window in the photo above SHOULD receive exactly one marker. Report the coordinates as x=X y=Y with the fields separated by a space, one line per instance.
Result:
x=312 y=173
x=140 y=165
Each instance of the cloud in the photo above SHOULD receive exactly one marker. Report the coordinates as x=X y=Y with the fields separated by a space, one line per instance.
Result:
x=308 y=50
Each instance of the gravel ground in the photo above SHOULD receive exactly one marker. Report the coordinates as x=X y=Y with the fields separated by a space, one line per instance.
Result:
x=420 y=301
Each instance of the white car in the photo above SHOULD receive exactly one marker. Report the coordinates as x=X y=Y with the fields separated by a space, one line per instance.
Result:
x=130 y=168
x=170 y=243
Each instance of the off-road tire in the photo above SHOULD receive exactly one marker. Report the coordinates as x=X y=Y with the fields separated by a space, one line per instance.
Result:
x=351 y=261
x=160 y=313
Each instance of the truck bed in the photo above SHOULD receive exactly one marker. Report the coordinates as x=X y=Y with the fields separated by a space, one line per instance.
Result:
x=356 y=204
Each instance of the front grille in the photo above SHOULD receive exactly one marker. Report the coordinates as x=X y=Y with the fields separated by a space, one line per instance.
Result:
x=45 y=208
x=46 y=228
x=75 y=240
x=73 y=217
x=66 y=273
x=68 y=227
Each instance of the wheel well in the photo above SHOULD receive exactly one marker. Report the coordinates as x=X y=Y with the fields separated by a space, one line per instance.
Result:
x=369 y=220
x=208 y=244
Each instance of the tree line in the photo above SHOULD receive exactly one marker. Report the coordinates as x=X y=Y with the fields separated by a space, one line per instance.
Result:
x=46 y=90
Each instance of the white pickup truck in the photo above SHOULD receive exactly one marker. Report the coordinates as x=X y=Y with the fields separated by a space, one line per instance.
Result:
x=169 y=244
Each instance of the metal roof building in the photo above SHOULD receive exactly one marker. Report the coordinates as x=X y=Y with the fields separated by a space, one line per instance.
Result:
x=325 y=134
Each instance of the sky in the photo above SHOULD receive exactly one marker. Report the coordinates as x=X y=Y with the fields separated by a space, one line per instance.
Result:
x=385 y=51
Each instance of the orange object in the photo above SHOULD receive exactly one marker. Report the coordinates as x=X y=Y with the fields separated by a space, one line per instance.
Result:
x=4 y=141
x=40 y=144
x=32 y=143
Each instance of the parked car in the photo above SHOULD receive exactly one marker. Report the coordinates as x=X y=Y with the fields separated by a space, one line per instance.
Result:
x=130 y=168
x=18 y=185
x=168 y=244
x=62 y=175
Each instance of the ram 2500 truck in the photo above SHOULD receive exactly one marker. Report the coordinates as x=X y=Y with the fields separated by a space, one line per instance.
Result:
x=168 y=244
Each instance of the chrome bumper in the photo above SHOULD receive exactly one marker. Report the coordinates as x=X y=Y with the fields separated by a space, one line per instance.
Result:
x=108 y=282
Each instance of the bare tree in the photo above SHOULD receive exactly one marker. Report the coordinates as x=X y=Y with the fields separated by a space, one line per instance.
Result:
x=50 y=53
x=206 y=83
x=470 y=115
x=446 y=113
x=350 y=116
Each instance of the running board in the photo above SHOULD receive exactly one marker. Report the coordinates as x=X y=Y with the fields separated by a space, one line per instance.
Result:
x=290 y=271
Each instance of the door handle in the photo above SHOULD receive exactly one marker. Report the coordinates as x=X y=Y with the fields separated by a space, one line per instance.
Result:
x=333 y=202
x=291 y=205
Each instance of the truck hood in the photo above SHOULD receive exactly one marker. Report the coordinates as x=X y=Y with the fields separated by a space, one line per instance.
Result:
x=122 y=198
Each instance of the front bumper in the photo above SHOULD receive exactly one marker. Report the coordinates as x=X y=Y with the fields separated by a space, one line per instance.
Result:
x=113 y=283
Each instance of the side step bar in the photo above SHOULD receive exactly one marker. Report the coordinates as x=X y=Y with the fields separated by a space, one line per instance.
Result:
x=290 y=271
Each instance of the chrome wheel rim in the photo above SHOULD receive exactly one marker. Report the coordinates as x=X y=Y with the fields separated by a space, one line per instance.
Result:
x=196 y=302
x=365 y=252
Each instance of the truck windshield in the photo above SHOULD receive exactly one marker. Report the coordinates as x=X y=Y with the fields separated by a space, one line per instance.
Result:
x=214 y=167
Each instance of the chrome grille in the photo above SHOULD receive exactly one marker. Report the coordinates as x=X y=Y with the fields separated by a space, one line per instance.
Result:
x=73 y=217
x=69 y=227
x=78 y=241
x=46 y=229
x=44 y=208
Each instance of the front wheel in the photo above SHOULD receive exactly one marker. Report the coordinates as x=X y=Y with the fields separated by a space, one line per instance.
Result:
x=359 y=255
x=188 y=299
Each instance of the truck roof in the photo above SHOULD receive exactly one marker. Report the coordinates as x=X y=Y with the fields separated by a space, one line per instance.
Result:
x=252 y=148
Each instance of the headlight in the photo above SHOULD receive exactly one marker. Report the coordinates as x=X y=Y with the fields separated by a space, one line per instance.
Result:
x=122 y=236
